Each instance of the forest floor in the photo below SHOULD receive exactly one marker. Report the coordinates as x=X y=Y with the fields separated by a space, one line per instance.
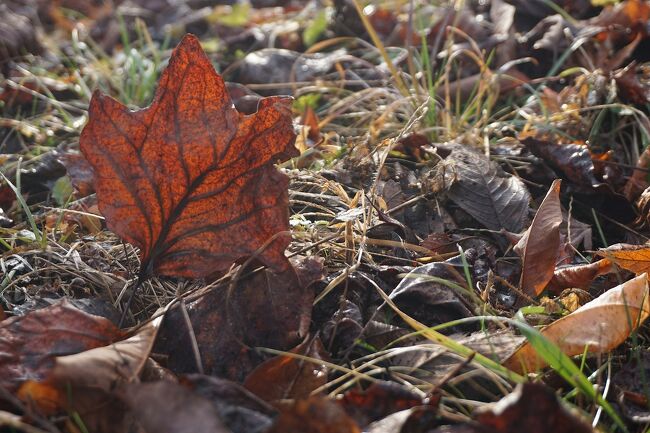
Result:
x=457 y=242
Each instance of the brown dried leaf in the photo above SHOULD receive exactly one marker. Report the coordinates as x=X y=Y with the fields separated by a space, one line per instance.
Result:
x=531 y=408
x=267 y=309
x=578 y=276
x=539 y=245
x=30 y=344
x=288 y=377
x=189 y=180
x=314 y=415
x=634 y=258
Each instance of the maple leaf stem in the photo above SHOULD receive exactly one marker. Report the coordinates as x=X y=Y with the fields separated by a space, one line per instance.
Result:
x=143 y=275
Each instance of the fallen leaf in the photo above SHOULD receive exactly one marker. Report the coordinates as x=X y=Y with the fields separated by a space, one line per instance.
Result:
x=267 y=309
x=288 y=377
x=427 y=295
x=496 y=199
x=577 y=276
x=30 y=344
x=172 y=408
x=634 y=258
x=530 y=408
x=85 y=382
x=598 y=326
x=314 y=415
x=539 y=245
x=189 y=180
x=380 y=400
x=240 y=410
x=571 y=160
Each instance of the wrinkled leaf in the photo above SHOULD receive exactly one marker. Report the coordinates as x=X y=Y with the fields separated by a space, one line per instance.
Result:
x=85 y=382
x=496 y=199
x=599 y=326
x=539 y=245
x=285 y=376
x=189 y=180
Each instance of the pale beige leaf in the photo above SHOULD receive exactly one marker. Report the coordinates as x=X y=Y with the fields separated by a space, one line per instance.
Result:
x=600 y=325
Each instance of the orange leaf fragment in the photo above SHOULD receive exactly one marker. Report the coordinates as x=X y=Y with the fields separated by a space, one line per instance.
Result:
x=190 y=180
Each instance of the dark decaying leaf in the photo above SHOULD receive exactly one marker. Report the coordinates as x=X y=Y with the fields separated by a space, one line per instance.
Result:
x=30 y=344
x=630 y=87
x=85 y=382
x=168 y=407
x=289 y=377
x=571 y=160
x=189 y=180
x=531 y=408
x=380 y=400
x=482 y=189
x=267 y=309
x=80 y=172
x=423 y=294
x=631 y=385
x=540 y=244
x=240 y=410
x=314 y=415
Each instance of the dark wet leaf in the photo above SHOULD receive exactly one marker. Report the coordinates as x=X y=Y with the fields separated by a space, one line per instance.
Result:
x=288 y=377
x=30 y=344
x=314 y=415
x=240 y=410
x=482 y=189
x=531 y=408
x=380 y=400
x=80 y=172
x=427 y=295
x=267 y=309
x=167 y=407
x=571 y=160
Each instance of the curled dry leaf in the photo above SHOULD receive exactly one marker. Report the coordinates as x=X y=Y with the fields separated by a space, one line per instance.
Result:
x=189 y=180
x=578 y=276
x=540 y=243
x=84 y=382
x=600 y=325
x=30 y=344
x=634 y=258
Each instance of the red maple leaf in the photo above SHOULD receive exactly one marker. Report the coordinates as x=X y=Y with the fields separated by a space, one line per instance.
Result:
x=189 y=180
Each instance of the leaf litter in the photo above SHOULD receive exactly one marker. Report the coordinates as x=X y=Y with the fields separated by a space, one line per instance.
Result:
x=373 y=277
